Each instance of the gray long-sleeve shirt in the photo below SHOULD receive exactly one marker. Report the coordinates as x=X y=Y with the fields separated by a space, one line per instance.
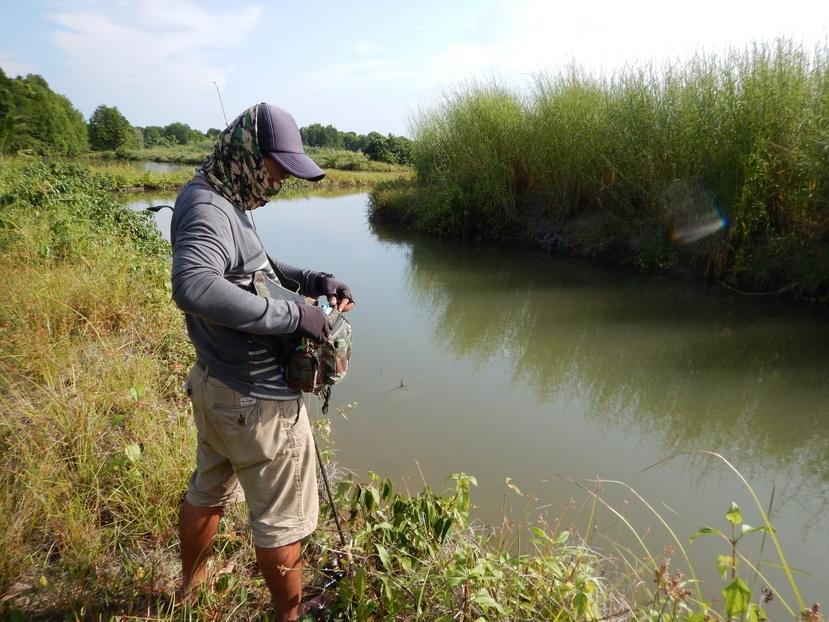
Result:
x=216 y=251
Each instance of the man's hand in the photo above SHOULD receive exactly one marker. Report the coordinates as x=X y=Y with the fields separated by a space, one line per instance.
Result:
x=338 y=293
x=313 y=323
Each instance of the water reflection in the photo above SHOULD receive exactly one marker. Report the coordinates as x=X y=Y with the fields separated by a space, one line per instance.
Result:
x=686 y=368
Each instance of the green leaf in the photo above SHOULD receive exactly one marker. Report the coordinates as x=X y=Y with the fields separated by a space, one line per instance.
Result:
x=563 y=537
x=705 y=531
x=386 y=491
x=734 y=514
x=724 y=564
x=383 y=554
x=737 y=598
x=746 y=529
x=755 y=613
x=580 y=602
x=482 y=598
x=135 y=393
x=360 y=582
x=133 y=452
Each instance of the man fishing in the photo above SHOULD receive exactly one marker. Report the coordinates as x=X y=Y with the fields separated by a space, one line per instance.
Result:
x=254 y=437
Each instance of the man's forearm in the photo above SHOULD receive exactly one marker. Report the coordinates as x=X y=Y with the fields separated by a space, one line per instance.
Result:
x=212 y=298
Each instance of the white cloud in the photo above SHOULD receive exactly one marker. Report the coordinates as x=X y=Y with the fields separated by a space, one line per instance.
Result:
x=141 y=51
x=367 y=47
x=600 y=36
x=12 y=68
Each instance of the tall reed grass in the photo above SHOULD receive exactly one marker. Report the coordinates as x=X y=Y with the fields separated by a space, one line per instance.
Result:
x=717 y=167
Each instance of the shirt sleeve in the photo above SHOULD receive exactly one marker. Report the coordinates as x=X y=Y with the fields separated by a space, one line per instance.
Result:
x=201 y=256
x=307 y=279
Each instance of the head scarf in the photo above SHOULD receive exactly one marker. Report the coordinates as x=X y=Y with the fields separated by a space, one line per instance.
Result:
x=235 y=168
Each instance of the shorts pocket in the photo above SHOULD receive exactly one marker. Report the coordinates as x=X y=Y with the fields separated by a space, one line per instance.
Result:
x=289 y=413
x=236 y=417
x=242 y=433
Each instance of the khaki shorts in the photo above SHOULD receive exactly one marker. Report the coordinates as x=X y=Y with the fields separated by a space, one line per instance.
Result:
x=259 y=450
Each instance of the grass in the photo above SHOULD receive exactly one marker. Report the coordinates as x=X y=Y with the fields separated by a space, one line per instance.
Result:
x=96 y=442
x=714 y=168
x=125 y=178
x=326 y=158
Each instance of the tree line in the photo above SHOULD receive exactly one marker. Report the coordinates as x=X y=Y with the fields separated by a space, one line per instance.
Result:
x=110 y=130
x=35 y=119
x=392 y=149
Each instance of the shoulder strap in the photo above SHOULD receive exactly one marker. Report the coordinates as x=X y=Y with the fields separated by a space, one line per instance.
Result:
x=287 y=283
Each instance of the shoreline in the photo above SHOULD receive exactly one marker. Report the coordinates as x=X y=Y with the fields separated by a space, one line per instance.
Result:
x=98 y=424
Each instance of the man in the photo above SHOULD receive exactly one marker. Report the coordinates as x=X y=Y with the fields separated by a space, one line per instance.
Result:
x=253 y=431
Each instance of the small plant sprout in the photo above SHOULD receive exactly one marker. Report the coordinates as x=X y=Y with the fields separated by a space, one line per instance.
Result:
x=737 y=593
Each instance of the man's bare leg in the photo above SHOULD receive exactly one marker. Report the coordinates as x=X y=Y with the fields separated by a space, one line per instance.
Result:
x=197 y=527
x=282 y=569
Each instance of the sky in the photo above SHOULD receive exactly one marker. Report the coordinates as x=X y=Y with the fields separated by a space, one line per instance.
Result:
x=362 y=66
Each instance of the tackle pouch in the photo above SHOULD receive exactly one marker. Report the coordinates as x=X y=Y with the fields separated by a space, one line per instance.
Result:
x=311 y=366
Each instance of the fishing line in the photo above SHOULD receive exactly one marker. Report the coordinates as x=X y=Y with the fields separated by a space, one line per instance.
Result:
x=220 y=102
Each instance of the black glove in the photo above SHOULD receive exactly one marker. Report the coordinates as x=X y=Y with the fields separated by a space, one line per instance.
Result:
x=313 y=323
x=328 y=286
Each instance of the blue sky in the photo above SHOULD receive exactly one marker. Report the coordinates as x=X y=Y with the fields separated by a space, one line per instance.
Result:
x=361 y=66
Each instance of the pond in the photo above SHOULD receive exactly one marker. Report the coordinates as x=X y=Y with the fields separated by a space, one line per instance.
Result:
x=504 y=362
x=159 y=167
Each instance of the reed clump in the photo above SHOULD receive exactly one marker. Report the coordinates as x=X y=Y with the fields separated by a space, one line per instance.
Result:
x=716 y=167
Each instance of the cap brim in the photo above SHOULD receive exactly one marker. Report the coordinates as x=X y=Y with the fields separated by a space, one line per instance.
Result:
x=299 y=165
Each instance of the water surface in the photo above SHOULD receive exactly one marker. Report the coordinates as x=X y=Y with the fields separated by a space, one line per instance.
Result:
x=516 y=364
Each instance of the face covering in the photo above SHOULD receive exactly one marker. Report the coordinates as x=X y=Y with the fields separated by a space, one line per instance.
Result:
x=235 y=168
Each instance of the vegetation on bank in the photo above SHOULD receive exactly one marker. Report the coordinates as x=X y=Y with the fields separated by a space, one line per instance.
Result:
x=717 y=168
x=194 y=154
x=121 y=177
x=96 y=442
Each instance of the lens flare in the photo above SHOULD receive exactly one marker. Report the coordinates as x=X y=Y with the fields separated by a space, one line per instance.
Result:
x=692 y=212
x=693 y=232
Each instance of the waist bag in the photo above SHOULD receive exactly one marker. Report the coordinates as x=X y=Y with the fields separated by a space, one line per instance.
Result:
x=310 y=366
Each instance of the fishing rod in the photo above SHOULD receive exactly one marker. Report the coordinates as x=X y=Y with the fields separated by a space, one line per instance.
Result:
x=220 y=102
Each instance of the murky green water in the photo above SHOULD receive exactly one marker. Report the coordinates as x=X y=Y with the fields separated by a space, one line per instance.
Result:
x=516 y=364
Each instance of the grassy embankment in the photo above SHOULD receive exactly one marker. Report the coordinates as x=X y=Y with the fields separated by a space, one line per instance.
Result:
x=642 y=169
x=96 y=442
x=343 y=169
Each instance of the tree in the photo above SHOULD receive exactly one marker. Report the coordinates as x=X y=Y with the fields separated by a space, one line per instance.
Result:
x=213 y=132
x=34 y=118
x=400 y=147
x=178 y=132
x=109 y=129
x=354 y=141
x=154 y=136
x=377 y=148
